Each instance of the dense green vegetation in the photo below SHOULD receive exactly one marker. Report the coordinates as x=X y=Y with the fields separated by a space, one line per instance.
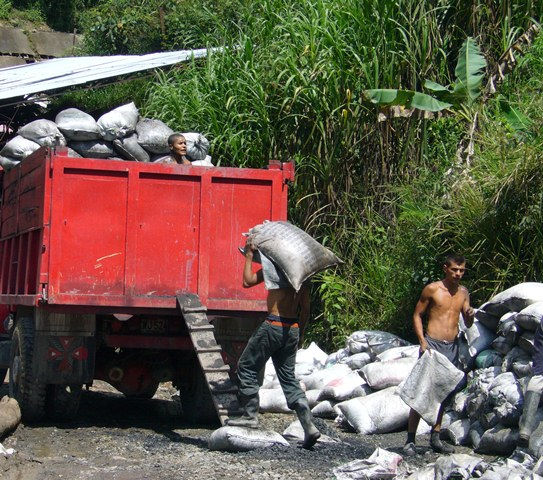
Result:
x=386 y=193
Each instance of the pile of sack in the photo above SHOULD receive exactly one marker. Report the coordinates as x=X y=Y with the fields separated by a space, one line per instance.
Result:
x=359 y=384
x=499 y=348
x=120 y=134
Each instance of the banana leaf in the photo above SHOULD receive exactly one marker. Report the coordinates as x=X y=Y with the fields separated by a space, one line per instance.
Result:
x=469 y=71
x=406 y=98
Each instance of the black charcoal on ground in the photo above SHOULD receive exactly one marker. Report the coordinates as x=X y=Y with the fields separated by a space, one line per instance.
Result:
x=77 y=125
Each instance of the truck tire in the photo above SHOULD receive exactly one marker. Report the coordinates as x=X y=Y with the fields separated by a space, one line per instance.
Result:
x=196 y=400
x=147 y=393
x=62 y=401
x=23 y=386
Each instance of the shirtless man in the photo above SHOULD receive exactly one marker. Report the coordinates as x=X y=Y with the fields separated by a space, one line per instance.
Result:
x=178 y=149
x=277 y=337
x=442 y=301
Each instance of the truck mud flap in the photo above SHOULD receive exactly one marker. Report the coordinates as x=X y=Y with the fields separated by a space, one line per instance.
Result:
x=64 y=359
x=216 y=372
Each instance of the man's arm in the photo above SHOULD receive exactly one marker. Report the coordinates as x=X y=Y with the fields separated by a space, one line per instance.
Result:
x=467 y=311
x=250 y=278
x=420 y=308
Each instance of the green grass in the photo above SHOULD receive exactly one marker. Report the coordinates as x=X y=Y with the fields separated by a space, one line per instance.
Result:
x=289 y=86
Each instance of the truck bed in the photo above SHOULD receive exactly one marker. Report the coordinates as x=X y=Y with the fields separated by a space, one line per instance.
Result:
x=124 y=235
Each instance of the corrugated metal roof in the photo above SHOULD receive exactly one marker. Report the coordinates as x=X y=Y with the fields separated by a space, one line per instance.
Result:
x=47 y=75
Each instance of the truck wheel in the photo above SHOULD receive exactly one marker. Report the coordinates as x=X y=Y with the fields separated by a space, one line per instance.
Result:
x=196 y=400
x=23 y=386
x=62 y=401
x=147 y=393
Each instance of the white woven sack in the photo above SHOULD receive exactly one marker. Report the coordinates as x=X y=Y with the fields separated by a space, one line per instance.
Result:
x=530 y=317
x=153 y=135
x=19 y=148
x=381 y=375
x=93 y=148
x=119 y=122
x=129 y=148
x=381 y=412
x=43 y=132
x=295 y=252
x=341 y=389
x=431 y=380
x=516 y=298
x=273 y=401
x=197 y=146
x=8 y=163
x=321 y=378
x=239 y=439
x=77 y=125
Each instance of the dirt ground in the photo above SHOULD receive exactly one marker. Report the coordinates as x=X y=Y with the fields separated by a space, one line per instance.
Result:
x=123 y=439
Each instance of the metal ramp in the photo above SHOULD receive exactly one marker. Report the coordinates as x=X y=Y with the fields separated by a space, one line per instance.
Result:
x=216 y=372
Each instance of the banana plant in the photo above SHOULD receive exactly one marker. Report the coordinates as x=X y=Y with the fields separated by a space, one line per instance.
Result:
x=463 y=92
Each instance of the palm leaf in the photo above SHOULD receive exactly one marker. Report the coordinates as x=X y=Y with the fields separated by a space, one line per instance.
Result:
x=469 y=71
x=406 y=98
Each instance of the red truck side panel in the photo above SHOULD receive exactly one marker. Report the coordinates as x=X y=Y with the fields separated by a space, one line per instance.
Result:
x=88 y=232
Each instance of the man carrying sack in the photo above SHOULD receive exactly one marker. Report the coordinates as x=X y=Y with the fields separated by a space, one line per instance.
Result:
x=288 y=312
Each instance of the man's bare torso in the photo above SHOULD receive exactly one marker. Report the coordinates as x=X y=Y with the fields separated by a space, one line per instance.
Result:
x=443 y=310
x=284 y=302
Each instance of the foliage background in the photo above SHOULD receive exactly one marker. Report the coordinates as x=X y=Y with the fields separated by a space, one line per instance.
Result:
x=386 y=193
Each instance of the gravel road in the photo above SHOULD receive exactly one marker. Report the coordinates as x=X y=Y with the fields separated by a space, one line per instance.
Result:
x=123 y=439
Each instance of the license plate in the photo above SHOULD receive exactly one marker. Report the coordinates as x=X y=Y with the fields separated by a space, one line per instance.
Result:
x=153 y=325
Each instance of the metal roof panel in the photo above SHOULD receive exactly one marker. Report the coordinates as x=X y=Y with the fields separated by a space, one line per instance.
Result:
x=57 y=73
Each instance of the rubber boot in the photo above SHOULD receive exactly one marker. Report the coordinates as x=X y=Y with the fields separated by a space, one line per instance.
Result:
x=249 y=418
x=311 y=434
x=528 y=420
x=439 y=446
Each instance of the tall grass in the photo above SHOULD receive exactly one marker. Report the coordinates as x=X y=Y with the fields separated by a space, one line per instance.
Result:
x=289 y=86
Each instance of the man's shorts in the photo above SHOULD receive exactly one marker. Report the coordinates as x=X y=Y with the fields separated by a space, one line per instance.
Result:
x=449 y=349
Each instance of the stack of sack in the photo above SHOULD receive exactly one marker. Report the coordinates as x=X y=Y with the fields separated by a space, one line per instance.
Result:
x=120 y=134
x=359 y=384
x=498 y=347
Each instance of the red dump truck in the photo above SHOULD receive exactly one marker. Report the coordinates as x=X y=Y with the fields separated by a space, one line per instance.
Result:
x=129 y=273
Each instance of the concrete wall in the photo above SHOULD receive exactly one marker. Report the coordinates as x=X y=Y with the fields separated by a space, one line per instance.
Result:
x=18 y=46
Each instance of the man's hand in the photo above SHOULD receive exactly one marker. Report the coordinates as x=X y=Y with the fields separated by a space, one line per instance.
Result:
x=249 y=249
x=423 y=346
x=469 y=315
